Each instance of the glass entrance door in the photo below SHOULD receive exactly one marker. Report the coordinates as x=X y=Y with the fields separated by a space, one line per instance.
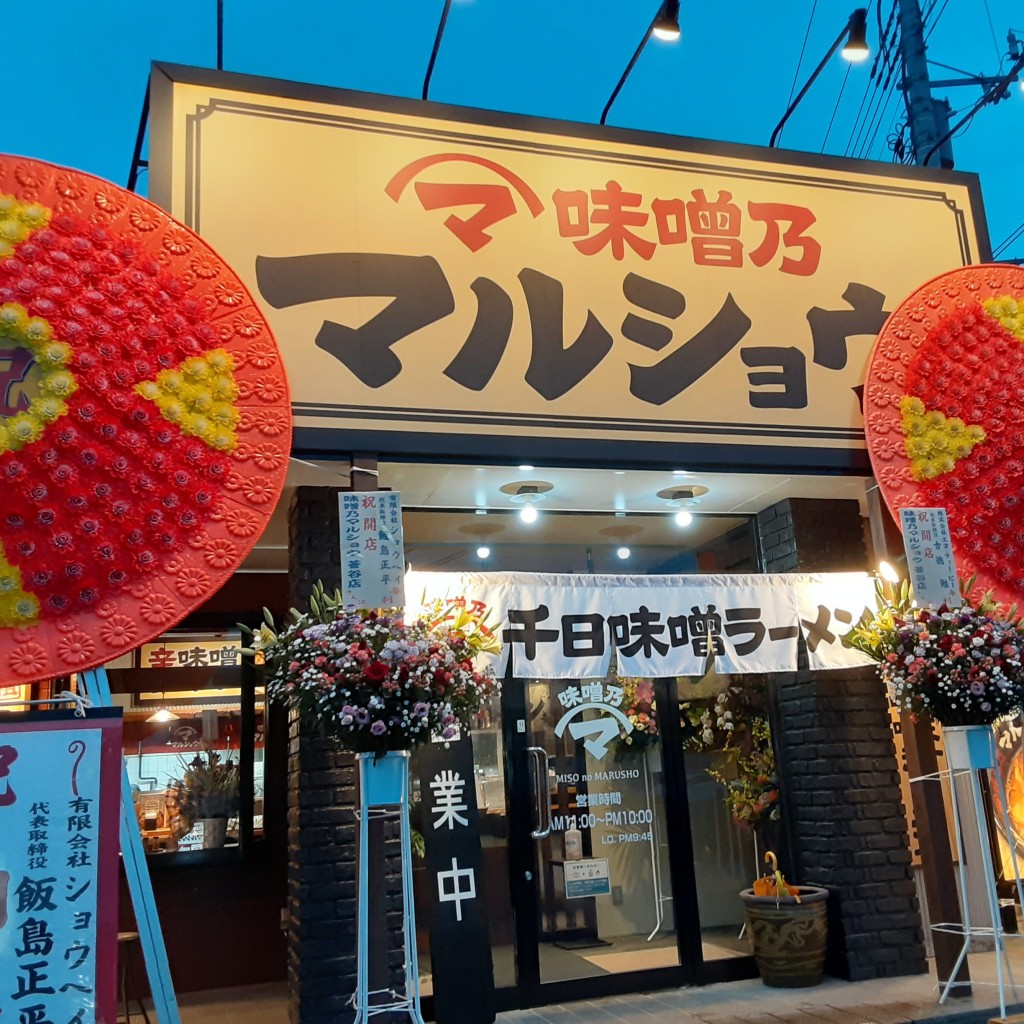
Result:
x=589 y=834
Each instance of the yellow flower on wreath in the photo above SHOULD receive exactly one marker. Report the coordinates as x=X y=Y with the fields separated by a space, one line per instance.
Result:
x=55 y=381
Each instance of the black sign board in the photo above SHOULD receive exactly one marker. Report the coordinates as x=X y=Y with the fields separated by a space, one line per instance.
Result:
x=460 y=948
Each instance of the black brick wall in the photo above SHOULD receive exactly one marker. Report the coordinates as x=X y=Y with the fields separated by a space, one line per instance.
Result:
x=323 y=796
x=839 y=772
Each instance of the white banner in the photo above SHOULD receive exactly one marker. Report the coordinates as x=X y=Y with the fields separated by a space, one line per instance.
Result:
x=562 y=626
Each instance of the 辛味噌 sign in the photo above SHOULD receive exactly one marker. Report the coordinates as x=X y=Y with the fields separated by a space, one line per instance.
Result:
x=432 y=270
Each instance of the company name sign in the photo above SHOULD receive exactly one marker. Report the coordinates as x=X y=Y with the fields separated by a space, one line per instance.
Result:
x=499 y=280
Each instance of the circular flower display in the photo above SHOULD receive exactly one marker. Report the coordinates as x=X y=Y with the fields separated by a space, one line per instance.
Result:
x=956 y=412
x=131 y=396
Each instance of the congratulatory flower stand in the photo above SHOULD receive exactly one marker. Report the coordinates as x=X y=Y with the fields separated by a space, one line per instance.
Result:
x=378 y=686
x=961 y=667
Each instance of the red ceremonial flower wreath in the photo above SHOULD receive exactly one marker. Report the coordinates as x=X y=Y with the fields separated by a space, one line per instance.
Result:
x=144 y=421
x=944 y=416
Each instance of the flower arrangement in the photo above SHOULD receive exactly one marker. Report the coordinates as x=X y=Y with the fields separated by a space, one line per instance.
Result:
x=639 y=707
x=959 y=666
x=734 y=726
x=751 y=780
x=374 y=681
x=208 y=788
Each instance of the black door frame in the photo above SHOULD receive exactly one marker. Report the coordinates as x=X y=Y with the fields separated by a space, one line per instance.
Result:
x=529 y=990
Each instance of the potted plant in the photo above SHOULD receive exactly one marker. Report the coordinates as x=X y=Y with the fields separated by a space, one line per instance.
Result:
x=960 y=666
x=788 y=929
x=375 y=682
x=209 y=794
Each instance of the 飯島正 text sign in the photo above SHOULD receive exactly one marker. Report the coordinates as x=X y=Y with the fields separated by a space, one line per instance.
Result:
x=59 y=803
x=440 y=271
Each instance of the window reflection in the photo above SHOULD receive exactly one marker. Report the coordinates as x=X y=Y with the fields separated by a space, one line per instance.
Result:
x=733 y=796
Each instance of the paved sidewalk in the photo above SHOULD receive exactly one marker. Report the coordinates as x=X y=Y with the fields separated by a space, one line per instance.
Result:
x=890 y=1001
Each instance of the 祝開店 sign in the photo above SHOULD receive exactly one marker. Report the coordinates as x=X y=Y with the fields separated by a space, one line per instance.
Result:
x=488 y=278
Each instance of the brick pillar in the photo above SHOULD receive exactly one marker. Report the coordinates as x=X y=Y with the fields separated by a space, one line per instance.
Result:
x=838 y=768
x=323 y=798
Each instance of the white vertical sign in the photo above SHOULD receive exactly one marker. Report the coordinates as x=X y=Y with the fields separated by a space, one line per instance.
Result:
x=930 y=562
x=372 y=549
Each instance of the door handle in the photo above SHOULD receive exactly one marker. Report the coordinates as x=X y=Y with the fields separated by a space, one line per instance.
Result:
x=541 y=794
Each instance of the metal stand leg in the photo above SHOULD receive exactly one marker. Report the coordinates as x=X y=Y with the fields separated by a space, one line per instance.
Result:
x=407 y=1002
x=968 y=930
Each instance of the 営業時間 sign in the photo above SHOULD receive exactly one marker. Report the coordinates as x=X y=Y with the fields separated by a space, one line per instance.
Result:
x=438 y=271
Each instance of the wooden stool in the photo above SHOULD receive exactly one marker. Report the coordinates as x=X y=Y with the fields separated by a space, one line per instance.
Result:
x=128 y=947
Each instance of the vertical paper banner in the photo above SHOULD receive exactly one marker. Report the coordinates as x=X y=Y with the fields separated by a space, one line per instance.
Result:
x=59 y=820
x=372 y=549
x=930 y=562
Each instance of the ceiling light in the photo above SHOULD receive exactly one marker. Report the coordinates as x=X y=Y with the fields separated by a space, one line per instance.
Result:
x=481 y=511
x=623 y=553
x=856 y=48
x=163 y=715
x=683 y=498
x=483 y=551
x=666 y=25
x=888 y=573
x=527 y=495
x=526 y=469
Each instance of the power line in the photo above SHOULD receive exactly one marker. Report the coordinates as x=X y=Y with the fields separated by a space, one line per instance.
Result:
x=835 y=109
x=924 y=18
x=884 y=56
x=1008 y=240
x=992 y=29
x=803 y=50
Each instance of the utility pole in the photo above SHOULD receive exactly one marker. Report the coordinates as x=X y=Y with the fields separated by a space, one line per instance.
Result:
x=921 y=113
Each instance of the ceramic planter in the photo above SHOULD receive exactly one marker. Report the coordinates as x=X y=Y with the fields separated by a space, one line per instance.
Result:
x=789 y=938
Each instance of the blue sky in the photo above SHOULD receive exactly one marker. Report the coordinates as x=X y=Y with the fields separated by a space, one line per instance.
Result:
x=729 y=77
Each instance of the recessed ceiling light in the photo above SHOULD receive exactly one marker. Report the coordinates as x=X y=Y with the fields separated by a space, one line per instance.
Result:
x=623 y=552
x=163 y=715
x=483 y=551
x=526 y=469
x=481 y=511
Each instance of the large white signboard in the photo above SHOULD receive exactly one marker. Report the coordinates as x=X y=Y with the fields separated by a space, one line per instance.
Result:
x=438 y=270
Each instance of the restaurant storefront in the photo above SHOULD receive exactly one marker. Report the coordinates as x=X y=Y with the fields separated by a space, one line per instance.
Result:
x=489 y=314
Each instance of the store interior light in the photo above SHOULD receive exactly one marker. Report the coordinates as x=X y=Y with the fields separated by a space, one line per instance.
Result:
x=623 y=552
x=163 y=715
x=528 y=514
x=526 y=469
x=683 y=517
x=483 y=551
